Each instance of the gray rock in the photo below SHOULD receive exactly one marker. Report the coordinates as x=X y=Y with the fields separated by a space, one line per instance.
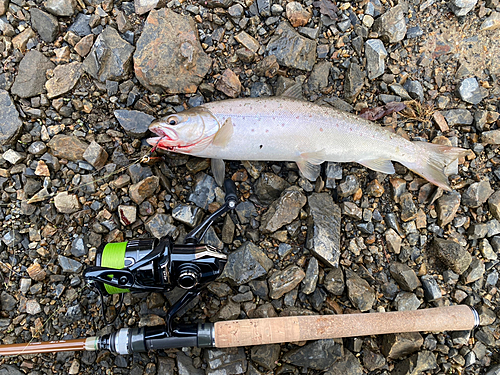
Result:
x=447 y=207
x=204 y=191
x=418 y=363
x=486 y=315
x=391 y=26
x=45 y=24
x=95 y=155
x=226 y=361
x=405 y=301
x=432 y=291
x=13 y=157
x=414 y=32
x=317 y=355
x=81 y=25
x=458 y=116
x=185 y=365
x=62 y=8
x=284 y=210
x=169 y=57
x=372 y=361
x=397 y=345
x=282 y=282
x=7 y=302
x=246 y=264
x=266 y=356
x=318 y=79
x=69 y=265
x=494 y=204
x=79 y=247
x=10 y=370
x=375 y=58
x=161 y=225
x=405 y=277
x=311 y=278
x=487 y=250
x=269 y=187
x=353 y=82
x=37 y=148
x=347 y=365
x=462 y=7
x=452 y=254
x=187 y=214
x=229 y=311
x=143 y=189
x=334 y=281
x=474 y=272
x=66 y=203
x=408 y=208
x=292 y=49
x=491 y=137
x=323 y=234
x=348 y=187
x=477 y=194
x=110 y=57
x=30 y=79
x=400 y=91
x=135 y=123
x=360 y=293
x=333 y=173
x=10 y=123
x=415 y=90
x=393 y=240
x=246 y=211
x=138 y=172
x=470 y=91
x=491 y=23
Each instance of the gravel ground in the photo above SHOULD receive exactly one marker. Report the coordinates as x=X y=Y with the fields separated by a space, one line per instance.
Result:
x=82 y=80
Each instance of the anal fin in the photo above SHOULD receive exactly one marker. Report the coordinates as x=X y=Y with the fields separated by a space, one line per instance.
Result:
x=218 y=170
x=309 y=164
x=379 y=165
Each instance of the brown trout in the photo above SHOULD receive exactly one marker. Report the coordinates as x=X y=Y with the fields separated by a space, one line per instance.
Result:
x=287 y=129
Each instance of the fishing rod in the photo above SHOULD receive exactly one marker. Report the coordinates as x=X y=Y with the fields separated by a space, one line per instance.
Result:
x=146 y=265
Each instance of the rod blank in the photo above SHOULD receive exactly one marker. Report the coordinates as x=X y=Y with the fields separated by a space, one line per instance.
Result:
x=48 y=347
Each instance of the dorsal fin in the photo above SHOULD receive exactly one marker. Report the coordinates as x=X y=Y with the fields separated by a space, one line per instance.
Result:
x=293 y=92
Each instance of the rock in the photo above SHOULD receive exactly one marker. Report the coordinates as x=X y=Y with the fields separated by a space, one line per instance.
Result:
x=353 y=82
x=64 y=79
x=62 y=8
x=267 y=67
x=432 y=291
x=375 y=58
x=311 y=277
x=68 y=147
x=269 y=187
x=393 y=240
x=474 y=272
x=491 y=23
x=45 y=24
x=84 y=46
x=408 y=208
x=391 y=26
x=405 y=301
x=334 y=281
x=246 y=211
x=418 y=363
x=226 y=361
x=352 y=210
x=229 y=84
x=372 y=361
x=143 y=189
x=266 y=356
x=81 y=25
x=282 y=282
x=477 y=194
x=229 y=311
x=318 y=79
x=400 y=91
x=458 y=116
x=360 y=293
x=33 y=307
x=13 y=157
x=187 y=214
x=66 y=203
x=37 y=148
x=69 y=265
x=486 y=316
x=144 y=6
x=462 y=7
x=397 y=345
x=347 y=365
x=452 y=255
x=246 y=264
x=447 y=207
x=296 y=14
x=10 y=123
x=110 y=57
x=4 y=6
x=127 y=214
x=404 y=276
x=161 y=225
x=470 y=91
x=169 y=56
x=95 y=155
x=415 y=90
x=248 y=42
x=316 y=355
x=135 y=123
x=204 y=191
x=20 y=41
x=36 y=272
x=7 y=302
x=323 y=234
x=487 y=250
x=284 y=210
x=185 y=365
x=292 y=49
x=78 y=247
x=30 y=80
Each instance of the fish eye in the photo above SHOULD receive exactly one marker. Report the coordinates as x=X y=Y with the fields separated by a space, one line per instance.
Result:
x=172 y=121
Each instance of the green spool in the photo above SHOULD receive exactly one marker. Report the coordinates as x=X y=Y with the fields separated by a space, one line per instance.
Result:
x=113 y=256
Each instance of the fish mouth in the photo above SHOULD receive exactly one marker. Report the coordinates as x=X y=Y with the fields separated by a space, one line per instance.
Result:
x=163 y=132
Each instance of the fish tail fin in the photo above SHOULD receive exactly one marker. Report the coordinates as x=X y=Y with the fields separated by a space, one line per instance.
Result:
x=433 y=161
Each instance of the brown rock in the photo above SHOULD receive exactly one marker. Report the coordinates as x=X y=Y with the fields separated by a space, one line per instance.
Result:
x=247 y=41
x=20 y=40
x=36 y=272
x=96 y=155
x=284 y=281
x=267 y=67
x=229 y=84
x=84 y=45
x=42 y=169
x=296 y=14
x=66 y=203
x=4 y=5
x=62 y=55
x=67 y=147
x=144 y=189
x=64 y=79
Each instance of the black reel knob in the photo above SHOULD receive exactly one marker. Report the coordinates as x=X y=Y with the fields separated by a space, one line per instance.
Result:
x=189 y=276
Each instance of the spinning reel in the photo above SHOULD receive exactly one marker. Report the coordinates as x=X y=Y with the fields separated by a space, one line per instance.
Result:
x=152 y=265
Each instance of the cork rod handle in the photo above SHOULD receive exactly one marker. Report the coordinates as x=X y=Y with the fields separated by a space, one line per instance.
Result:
x=301 y=328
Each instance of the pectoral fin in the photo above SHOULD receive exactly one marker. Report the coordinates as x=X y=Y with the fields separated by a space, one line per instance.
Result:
x=224 y=134
x=218 y=170
x=379 y=165
x=309 y=164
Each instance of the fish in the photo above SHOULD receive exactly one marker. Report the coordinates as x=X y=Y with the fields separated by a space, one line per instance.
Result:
x=285 y=128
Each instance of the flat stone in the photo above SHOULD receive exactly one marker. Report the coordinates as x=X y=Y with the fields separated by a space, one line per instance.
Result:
x=169 y=57
x=81 y=25
x=229 y=84
x=347 y=365
x=292 y=49
x=127 y=214
x=185 y=365
x=10 y=123
x=360 y=293
x=375 y=58
x=491 y=23
x=470 y=91
x=393 y=240
x=110 y=57
x=452 y=254
x=323 y=235
x=334 y=281
x=419 y=363
x=474 y=272
x=247 y=263
x=458 y=116
x=266 y=356
x=269 y=187
x=62 y=8
x=12 y=156
x=64 y=79
x=391 y=26
x=68 y=147
x=230 y=311
x=143 y=189
x=462 y=7
x=404 y=276
x=30 y=79
x=7 y=302
x=226 y=361
x=414 y=89
x=406 y=301
x=353 y=82
x=296 y=14
x=95 y=155
x=135 y=123
x=408 y=208
x=69 y=265
x=79 y=247
x=161 y=225
x=144 y=6
x=316 y=355
x=33 y=307
x=20 y=41
x=494 y=204
x=447 y=207
x=36 y=272
x=284 y=210
x=373 y=361
x=187 y=214
x=477 y=194
x=66 y=203
x=204 y=191
x=282 y=282
x=84 y=46
x=397 y=345
x=311 y=277
x=432 y=291
x=247 y=41
x=45 y=24
x=318 y=79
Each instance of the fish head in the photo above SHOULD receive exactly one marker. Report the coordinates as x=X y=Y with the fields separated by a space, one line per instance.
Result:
x=184 y=132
